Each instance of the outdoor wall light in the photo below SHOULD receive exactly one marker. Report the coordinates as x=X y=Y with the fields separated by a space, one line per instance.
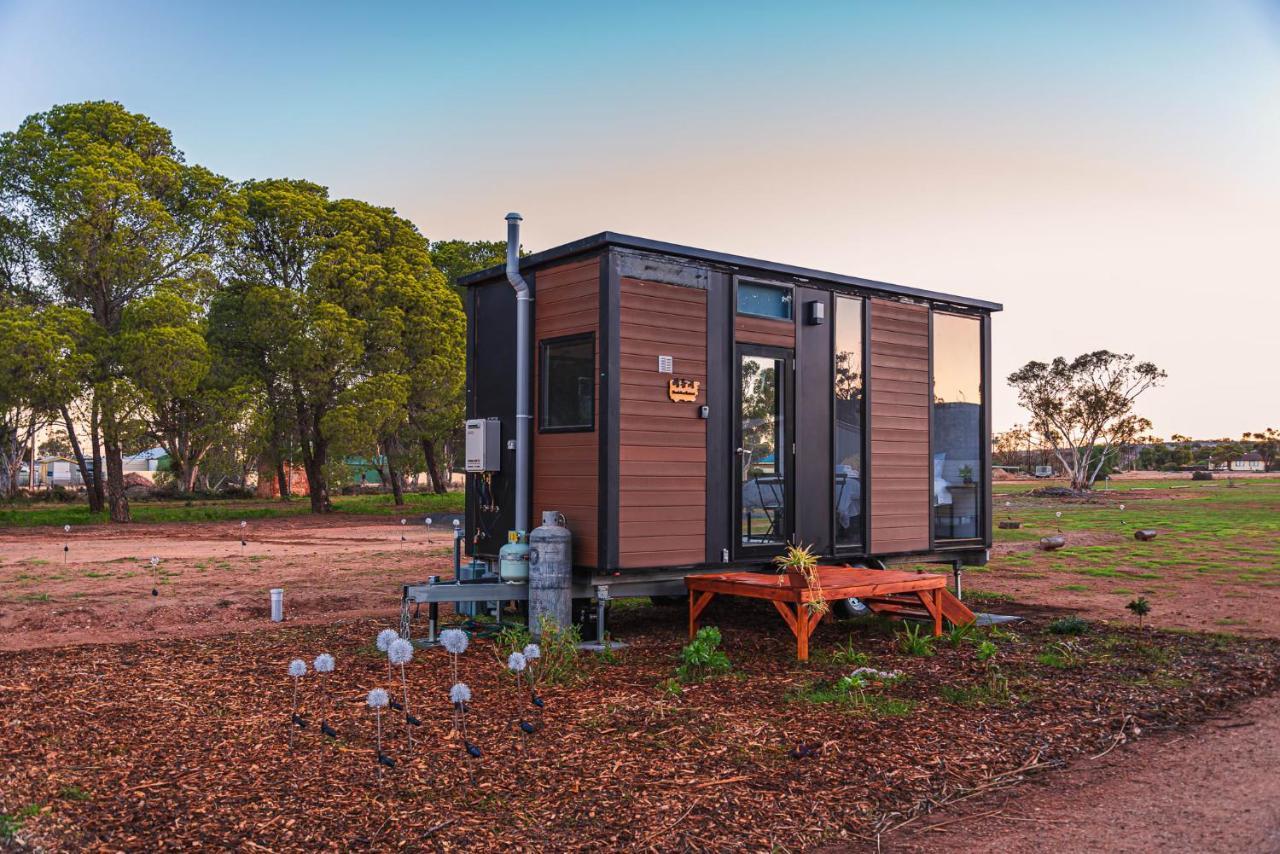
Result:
x=817 y=312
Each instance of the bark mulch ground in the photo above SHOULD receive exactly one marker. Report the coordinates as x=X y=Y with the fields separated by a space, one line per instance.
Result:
x=180 y=743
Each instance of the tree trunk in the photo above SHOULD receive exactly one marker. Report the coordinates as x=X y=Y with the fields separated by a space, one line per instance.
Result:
x=282 y=480
x=316 y=483
x=438 y=484
x=397 y=488
x=99 y=501
x=117 y=501
x=95 y=500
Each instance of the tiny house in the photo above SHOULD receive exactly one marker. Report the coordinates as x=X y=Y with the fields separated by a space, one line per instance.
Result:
x=693 y=410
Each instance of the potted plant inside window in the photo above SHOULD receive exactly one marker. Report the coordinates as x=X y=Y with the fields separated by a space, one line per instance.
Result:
x=800 y=568
x=966 y=473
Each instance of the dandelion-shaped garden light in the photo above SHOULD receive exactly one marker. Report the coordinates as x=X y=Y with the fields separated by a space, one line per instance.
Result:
x=377 y=701
x=455 y=643
x=427 y=522
x=400 y=652
x=516 y=663
x=66 y=547
x=155 y=562
x=402 y=521
x=533 y=653
x=297 y=669
x=385 y=637
x=324 y=664
x=243 y=543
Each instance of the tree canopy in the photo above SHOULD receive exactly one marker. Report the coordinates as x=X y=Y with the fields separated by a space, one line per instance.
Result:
x=1081 y=408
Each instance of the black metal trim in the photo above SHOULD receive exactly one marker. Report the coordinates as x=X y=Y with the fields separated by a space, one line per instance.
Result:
x=986 y=505
x=543 y=344
x=719 y=534
x=929 y=484
x=610 y=238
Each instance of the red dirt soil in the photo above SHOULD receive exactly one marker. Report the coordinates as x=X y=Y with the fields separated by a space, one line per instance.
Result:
x=206 y=585
x=1212 y=789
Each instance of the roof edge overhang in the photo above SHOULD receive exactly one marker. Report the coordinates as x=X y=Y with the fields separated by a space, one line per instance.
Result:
x=611 y=238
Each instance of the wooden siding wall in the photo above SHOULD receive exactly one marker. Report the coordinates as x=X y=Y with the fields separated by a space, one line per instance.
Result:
x=899 y=417
x=566 y=474
x=662 y=455
x=764 y=330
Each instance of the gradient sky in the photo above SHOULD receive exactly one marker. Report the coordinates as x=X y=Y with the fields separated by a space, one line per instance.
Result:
x=1110 y=171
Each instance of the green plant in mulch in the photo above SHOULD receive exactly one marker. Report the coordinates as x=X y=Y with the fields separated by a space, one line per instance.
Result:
x=959 y=635
x=997 y=683
x=912 y=640
x=848 y=655
x=73 y=793
x=1140 y=608
x=560 y=662
x=1062 y=656
x=1072 y=625
x=11 y=824
x=702 y=657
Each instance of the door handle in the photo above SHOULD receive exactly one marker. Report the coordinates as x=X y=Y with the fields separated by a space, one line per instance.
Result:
x=742 y=450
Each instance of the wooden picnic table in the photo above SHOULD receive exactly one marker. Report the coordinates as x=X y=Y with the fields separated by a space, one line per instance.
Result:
x=835 y=582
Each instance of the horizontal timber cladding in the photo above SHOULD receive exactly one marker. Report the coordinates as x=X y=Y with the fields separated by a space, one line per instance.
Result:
x=764 y=330
x=566 y=465
x=662 y=444
x=899 y=398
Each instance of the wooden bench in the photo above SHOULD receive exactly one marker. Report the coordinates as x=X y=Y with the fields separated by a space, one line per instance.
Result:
x=878 y=587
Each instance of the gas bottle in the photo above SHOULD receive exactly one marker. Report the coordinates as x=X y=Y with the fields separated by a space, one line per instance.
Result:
x=550 y=573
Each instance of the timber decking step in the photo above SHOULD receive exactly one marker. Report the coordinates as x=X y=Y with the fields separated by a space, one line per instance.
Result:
x=909 y=607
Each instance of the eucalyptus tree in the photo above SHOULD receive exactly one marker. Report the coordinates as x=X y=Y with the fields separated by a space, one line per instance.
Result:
x=39 y=371
x=1082 y=408
x=186 y=408
x=112 y=212
x=336 y=311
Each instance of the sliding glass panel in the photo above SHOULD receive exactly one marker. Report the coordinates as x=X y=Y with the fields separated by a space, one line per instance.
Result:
x=847 y=491
x=762 y=456
x=957 y=426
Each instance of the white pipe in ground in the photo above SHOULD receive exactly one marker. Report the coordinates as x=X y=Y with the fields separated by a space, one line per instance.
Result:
x=277 y=604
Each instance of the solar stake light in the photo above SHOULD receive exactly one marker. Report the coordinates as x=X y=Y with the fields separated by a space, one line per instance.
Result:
x=377 y=701
x=516 y=663
x=243 y=543
x=324 y=664
x=385 y=637
x=66 y=547
x=297 y=669
x=400 y=653
x=402 y=521
x=155 y=576
x=533 y=653
x=427 y=523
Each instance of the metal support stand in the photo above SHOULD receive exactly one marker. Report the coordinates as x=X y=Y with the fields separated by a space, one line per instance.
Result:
x=600 y=644
x=433 y=618
x=957 y=571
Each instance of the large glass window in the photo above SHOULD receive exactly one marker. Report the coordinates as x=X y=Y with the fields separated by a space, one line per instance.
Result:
x=764 y=300
x=957 y=426
x=762 y=456
x=568 y=384
x=848 y=393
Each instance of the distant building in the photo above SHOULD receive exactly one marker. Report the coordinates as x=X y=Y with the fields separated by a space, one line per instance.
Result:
x=57 y=471
x=1251 y=461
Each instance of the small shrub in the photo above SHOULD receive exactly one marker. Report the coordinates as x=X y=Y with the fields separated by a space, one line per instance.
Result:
x=671 y=687
x=912 y=640
x=11 y=824
x=1072 y=625
x=1140 y=607
x=73 y=793
x=960 y=635
x=702 y=657
x=559 y=663
x=846 y=654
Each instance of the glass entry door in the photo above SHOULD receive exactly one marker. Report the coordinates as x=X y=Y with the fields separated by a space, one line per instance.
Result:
x=763 y=449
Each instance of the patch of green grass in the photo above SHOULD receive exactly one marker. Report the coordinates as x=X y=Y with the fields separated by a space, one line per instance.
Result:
x=1070 y=625
x=987 y=596
x=10 y=824
x=1075 y=588
x=73 y=793
x=35 y=597
x=221 y=510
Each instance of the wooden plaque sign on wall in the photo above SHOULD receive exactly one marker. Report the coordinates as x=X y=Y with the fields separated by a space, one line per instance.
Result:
x=682 y=390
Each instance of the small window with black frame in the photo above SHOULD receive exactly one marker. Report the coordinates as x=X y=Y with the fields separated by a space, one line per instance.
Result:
x=568 y=372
